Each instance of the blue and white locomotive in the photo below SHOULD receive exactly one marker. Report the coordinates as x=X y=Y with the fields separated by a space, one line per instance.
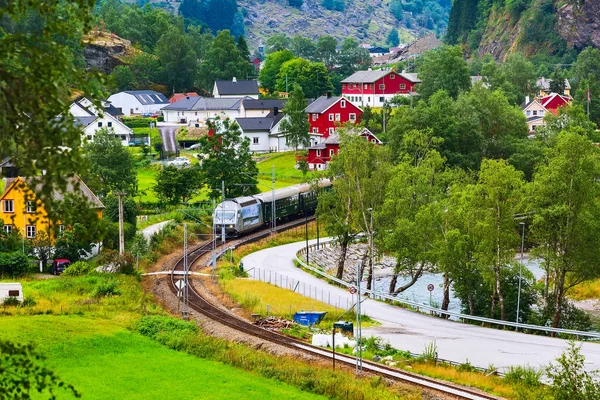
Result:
x=247 y=213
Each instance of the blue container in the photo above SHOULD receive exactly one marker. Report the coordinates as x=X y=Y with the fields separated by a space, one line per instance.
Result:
x=309 y=318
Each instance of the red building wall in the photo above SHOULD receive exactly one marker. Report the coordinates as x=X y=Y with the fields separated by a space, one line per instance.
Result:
x=391 y=86
x=322 y=123
x=555 y=103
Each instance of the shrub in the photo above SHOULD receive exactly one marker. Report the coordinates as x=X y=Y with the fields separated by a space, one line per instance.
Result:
x=466 y=367
x=79 y=268
x=430 y=352
x=13 y=264
x=11 y=301
x=526 y=375
x=106 y=288
x=29 y=302
x=137 y=122
x=166 y=330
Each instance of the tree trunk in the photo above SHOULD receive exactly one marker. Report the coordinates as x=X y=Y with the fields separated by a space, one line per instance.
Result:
x=560 y=294
x=470 y=303
x=414 y=279
x=342 y=260
x=499 y=293
x=499 y=264
x=370 y=262
x=393 y=283
x=446 y=300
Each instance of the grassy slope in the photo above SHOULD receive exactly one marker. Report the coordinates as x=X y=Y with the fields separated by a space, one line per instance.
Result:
x=285 y=173
x=104 y=360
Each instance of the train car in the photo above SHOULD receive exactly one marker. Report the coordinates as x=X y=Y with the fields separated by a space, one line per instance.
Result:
x=248 y=213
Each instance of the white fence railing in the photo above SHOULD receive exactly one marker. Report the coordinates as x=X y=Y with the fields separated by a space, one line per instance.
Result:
x=301 y=257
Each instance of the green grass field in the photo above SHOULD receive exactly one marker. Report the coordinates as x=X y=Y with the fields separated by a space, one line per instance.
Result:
x=146 y=180
x=104 y=360
x=285 y=173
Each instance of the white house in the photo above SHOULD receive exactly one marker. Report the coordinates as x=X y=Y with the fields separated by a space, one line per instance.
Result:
x=235 y=89
x=139 y=102
x=199 y=109
x=90 y=120
x=260 y=108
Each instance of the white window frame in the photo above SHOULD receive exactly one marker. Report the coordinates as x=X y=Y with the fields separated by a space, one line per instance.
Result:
x=109 y=124
x=403 y=86
x=30 y=231
x=343 y=103
x=331 y=116
x=331 y=131
x=331 y=153
x=6 y=208
x=30 y=207
x=535 y=113
x=528 y=113
x=381 y=99
x=392 y=76
x=318 y=153
x=352 y=117
x=315 y=130
x=315 y=116
x=343 y=86
x=61 y=229
x=382 y=86
x=541 y=112
x=99 y=124
x=338 y=117
x=255 y=140
x=366 y=86
x=8 y=229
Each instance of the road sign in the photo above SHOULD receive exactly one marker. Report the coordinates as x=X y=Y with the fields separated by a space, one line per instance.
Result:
x=430 y=287
x=180 y=284
x=352 y=290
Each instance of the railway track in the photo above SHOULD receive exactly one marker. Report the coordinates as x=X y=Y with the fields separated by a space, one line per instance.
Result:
x=199 y=304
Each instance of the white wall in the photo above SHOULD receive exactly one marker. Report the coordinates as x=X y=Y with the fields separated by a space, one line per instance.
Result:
x=175 y=116
x=117 y=127
x=263 y=145
x=371 y=100
x=131 y=106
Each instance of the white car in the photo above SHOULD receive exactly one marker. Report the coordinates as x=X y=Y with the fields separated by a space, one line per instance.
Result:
x=194 y=146
x=179 y=162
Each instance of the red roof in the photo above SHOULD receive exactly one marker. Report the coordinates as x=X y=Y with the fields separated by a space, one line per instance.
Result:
x=179 y=96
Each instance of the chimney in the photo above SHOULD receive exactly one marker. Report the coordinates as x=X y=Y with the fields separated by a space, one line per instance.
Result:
x=234 y=79
x=526 y=99
x=187 y=97
x=275 y=111
x=329 y=94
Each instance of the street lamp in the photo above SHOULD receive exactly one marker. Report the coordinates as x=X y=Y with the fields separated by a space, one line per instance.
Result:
x=522 y=224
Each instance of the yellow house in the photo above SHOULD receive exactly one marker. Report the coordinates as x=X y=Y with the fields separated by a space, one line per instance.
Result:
x=22 y=211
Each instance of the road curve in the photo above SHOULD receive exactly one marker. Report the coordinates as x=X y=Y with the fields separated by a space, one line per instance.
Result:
x=411 y=331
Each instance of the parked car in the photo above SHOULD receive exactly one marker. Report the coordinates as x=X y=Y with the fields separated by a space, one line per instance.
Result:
x=59 y=265
x=179 y=162
x=194 y=146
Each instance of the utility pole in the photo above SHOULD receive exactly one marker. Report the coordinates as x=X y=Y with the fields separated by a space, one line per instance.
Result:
x=121 y=232
x=223 y=213
x=372 y=253
x=358 y=327
x=185 y=277
x=273 y=208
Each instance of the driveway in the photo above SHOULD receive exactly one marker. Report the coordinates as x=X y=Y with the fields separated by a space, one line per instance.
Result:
x=167 y=132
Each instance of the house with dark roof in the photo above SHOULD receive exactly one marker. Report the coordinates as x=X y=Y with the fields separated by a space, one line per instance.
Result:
x=139 y=102
x=543 y=86
x=21 y=210
x=320 y=155
x=264 y=133
x=375 y=87
x=536 y=109
x=326 y=113
x=260 y=107
x=235 y=88
x=90 y=119
x=180 y=96
x=198 y=109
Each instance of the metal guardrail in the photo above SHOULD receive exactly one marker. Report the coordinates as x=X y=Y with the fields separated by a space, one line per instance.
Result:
x=301 y=254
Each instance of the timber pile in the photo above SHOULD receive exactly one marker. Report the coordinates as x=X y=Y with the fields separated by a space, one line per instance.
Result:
x=274 y=323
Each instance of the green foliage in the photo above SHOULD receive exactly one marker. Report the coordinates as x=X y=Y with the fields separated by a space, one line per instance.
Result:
x=138 y=122
x=430 y=352
x=123 y=78
x=174 y=185
x=121 y=263
x=444 y=69
x=337 y=5
x=270 y=71
x=296 y=126
x=79 y=268
x=393 y=39
x=111 y=235
x=178 y=60
x=73 y=243
x=13 y=264
x=223 y=61
x=111 y=209
x=112 y=165
x=229 y=160
x=302 y=47
x=106 y=288
x=570 y=380
x=311 y=76
x=22 y=374
x=396 y=9
x=277 y=42
x=352 y=58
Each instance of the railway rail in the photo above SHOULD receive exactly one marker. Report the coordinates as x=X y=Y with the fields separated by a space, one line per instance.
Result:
x=201 y=305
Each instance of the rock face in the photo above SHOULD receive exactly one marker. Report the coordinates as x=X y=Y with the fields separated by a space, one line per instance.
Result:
x=579 y=23
x=104 y=51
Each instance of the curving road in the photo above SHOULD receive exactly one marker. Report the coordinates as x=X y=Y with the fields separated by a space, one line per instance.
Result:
x=411 y=331
x=167 y=132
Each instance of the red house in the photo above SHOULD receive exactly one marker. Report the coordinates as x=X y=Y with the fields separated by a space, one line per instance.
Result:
x=553 y=101
x=374 y=88
x=256 y=63
x=320 y=155
x=179 y=96
x=326 y=113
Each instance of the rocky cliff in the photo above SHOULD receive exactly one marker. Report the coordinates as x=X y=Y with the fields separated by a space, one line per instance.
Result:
x=105 y=51
x=579 y=23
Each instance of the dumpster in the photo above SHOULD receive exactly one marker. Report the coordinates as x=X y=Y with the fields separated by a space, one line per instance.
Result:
x=344 y=326
x=309 y=318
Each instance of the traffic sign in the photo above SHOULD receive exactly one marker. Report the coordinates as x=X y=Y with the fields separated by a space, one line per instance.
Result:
x=352 y=290
x=430 y=287
x=180 y=284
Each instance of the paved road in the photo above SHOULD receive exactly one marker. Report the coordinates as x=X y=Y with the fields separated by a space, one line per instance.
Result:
x=411 y=331
x=152 y=229
x=167 y=132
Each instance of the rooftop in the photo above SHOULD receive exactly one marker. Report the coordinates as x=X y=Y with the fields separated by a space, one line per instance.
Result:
x=237 y=88
x=148 y=96
x=321 y=104
x=205 y=103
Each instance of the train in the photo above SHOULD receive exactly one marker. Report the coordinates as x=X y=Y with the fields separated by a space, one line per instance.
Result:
x=248 y=213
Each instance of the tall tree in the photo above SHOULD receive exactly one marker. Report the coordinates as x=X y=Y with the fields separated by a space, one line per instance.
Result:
x=303 y=47
x=229 y=160
x=242 y=46
x=557 y=81
x=175 y=185
x=223 y=62
x=295 y=125
x=444 y=69
x=563 y=200
x=393 y=39
x=178 y=60
x=396 y=9
x=277 y=42
x=494 y=203
x=313 y=77
x=270 y=71
x=327 y=51
x=352 y=58
x=520 y=75
x=112 y=167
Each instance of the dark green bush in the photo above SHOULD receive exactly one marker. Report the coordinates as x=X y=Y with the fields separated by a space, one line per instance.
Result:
x=137 y=122
x=13 y=264
x=106 y=288
x=78 y=268
x=11 y=301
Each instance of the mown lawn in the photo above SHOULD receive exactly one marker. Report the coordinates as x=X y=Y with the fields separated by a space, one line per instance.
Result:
x=285 y=173
x=104 y=360
x=146 y=177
